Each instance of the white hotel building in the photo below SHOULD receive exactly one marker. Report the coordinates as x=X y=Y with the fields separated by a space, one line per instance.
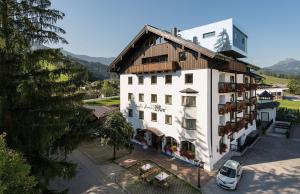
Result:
x=184 y=98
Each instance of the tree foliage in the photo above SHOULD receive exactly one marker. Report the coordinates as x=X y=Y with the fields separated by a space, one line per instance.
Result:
x=41 y=113
x=15 y=175
x=107 y=90
x=116 y=131
x=294 y=86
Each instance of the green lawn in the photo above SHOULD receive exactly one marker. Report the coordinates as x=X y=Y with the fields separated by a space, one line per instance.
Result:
x=289 y=104
x=104 y=102
x=275 y=80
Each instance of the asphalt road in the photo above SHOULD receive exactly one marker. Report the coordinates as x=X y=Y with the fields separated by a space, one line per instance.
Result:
x=272 y=166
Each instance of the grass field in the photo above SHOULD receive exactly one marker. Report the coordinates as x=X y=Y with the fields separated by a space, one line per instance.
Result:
x=275 y=80
x=104 y=102
x=289 y=104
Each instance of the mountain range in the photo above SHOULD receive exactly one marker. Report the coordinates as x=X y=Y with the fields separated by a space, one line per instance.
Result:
x=288 y=66
x=97 y=66
x=102 y=60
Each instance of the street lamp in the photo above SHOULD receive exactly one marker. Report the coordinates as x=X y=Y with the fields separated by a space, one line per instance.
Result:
x=199 y=164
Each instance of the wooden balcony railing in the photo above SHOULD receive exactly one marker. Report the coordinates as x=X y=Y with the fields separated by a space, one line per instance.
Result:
x=224 y=129
x=225 y=87
x=154 y=67
x=224 y=108
x=253 y=100
x=236 y=126
x=240 y=105
x=240 y=87
x=253 y=86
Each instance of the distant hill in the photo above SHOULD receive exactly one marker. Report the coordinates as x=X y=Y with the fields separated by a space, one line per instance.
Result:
x=288 y=66
x=102 y=60
x=97 y=71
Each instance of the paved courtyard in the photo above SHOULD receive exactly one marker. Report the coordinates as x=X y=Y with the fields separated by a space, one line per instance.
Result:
x=182 y=169
x=131 y=181
x=272 y=166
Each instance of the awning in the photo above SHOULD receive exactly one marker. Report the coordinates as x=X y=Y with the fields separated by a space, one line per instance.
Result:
x=155 y=131
x=189 y=91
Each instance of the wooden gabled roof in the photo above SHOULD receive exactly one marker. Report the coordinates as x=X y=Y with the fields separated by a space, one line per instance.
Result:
x=167 y=36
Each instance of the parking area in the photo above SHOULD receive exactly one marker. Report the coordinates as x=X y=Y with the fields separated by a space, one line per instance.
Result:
x=272 y=166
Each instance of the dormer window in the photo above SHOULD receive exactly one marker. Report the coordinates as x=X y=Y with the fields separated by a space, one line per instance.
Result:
x=182 y=56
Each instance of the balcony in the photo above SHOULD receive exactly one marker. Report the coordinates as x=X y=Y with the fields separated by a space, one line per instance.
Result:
x=253 y=101
x=240 y=87
x=238 y=125
x=225 y=87
x=224 y=129
x=240 y=106
x=253 y=86
x=224 y=108
x=154 y=67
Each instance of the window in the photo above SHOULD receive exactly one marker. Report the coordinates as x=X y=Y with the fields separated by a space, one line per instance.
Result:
x=232 y=98
x=243 y=41
x=189 y=124
x=246 y=95
x=141 y=114
x=153 y=79
x=188 y=101
x=153 y=98
x=182 y=56
x=153 y=117
x=231 y=115
x=209 y=34
x=246 y=80
x=168 y=99
x=189 y=78
x=141 y=80
x=155 y=59
x=129 y=112
x=130 y=96
x=232 y=79
x=168 y=119
x=168 y=79
x=141 y=97
x=129 y=80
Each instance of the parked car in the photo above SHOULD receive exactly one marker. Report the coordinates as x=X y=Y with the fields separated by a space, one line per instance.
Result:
x=229 y=175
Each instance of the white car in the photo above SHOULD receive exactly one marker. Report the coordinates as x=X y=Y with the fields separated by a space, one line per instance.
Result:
x=229 y=175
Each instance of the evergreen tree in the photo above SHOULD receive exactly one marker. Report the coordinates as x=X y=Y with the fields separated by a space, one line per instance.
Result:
x=14 y=172
x=41 y=113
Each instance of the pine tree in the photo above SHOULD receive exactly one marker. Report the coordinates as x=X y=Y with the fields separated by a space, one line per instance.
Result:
x=41 y=113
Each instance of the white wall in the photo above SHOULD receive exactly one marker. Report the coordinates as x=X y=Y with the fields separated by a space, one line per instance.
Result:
x=201 y=137
x=271 y=111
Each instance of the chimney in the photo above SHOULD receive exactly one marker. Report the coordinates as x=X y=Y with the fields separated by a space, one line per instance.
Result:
x=174 y=31
x=195 y=40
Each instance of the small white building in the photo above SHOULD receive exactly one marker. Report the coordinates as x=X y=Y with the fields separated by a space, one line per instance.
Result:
x=276 y=91
x=266 y=107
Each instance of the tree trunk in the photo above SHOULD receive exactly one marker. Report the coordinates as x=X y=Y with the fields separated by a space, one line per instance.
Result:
x=114 y=156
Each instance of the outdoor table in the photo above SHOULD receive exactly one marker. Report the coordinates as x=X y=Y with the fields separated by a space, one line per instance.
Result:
x=162 y=176
x=146 y=167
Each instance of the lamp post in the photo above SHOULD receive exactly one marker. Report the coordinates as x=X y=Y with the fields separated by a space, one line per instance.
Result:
x=199 y=164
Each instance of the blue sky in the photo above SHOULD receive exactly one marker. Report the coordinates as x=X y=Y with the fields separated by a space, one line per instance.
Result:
x=105 y=27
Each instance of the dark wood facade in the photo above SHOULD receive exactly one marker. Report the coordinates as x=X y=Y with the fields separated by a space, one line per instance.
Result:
x=145 y=46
